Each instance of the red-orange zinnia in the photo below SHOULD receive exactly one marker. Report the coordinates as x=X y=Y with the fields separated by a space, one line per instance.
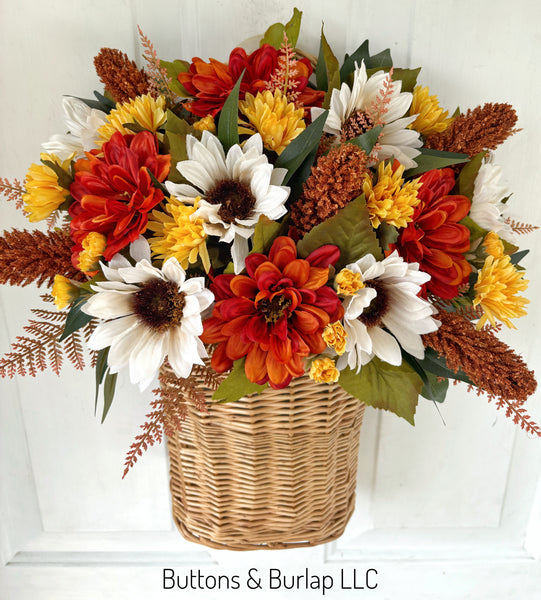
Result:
x=275 y=315
x=113 y=191
x=434 y=238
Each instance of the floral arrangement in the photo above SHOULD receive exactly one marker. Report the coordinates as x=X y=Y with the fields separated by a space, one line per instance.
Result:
x=249 y=222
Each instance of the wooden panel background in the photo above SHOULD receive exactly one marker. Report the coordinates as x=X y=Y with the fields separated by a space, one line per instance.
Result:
x=448 y=509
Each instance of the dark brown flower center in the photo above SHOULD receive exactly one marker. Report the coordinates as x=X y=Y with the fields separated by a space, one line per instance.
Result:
x=373 y=314
x=159 y=304
x=273 y=310
x=235 y=197
x=357 y=123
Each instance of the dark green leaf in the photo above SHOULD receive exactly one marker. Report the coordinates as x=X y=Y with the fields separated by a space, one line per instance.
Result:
x=350 y=229
x=433 y=363
x=518 y=256
x=387 y=234
x=434 y=388
x=134 y=127
x=295 y=153
x=177 y=125
x=408 y=77
x=236 y=385
x=176 y=146
x=265 y=232
x=385 y=386
x=101 y=368
x=434 y=159
x=228 y=123
x=105 y=105
x=64 y=178
x=173 y=69
x=301 y=175
x=466 y=180
x=329 y=71
x=367 y=140
x=76 y=318
x=106 y=100
x=109 y=386
x=275 y=33
x=382 y=60
x=157 y=183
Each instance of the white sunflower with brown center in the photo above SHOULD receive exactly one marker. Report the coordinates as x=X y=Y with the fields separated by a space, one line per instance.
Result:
x=235 y=190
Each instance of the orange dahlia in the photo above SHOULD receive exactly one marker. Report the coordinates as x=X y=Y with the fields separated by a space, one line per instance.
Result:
x=434 y=238
x=275 y=315
x=113 y=191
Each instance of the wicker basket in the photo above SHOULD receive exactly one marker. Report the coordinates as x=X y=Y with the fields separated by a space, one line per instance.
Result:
x=275 y=470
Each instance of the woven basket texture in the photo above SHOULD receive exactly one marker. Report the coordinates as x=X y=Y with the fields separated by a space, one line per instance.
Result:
x=274 y=470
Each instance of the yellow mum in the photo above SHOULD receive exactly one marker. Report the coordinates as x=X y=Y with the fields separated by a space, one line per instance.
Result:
x=205 y=124
x=323 y=370
x=94 y=245
x=144 y=110
x=335 y=336
x=390 y=199
x=43 y=192
x=493 y=245
x=347 y=282
x=64 y=291
x=277 y=121
x=496 y=291
x=431 y=118
x=177 y=233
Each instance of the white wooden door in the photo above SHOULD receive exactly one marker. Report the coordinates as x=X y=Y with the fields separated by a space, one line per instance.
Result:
x=450 y=509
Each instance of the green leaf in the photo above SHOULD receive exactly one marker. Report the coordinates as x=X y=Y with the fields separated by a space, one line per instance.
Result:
x=382 y=385
x=408 y=77
x=466 y=180
x=301 y=175
x=64 y=178
x=350 y=229
x=228 y=123
x=275 y=33
x=516 y=257
x=265 y=232
x=236 y=385
x=176 y=146
x=102 y=103
x=101 y=368
x=175 y=124
x=434 y=159
x=295 y=153
x=387 y=235
x=329 y=70
x=367 y=140
x=434 y=388
x=76 y=318
x=433 y=363
x=109 y=386
x=382 y=60
x=173 y=69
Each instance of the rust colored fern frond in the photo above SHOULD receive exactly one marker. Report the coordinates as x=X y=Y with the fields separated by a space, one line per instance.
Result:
x=35 y=257
x=13 y=191
x=519 y=415
x=158 y=78
x=520 y=228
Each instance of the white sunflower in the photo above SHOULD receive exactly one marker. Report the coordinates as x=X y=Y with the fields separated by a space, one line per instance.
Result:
x=356 y=110
x=82 y=123
x=148 y=314
x=487 y=206
x=385 y=312
x=235 y=190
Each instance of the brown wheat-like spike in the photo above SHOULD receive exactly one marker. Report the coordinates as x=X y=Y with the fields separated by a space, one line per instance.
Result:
x=36 y=257
x=157 y=75
x=12 y=191
x=483 y=128
x=120 y=75
x=520 y=228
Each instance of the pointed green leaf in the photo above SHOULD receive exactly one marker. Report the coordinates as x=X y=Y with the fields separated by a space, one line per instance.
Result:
x=387 y=234
x=434 y=159
x=173 y=69
x=382 y=385
x=275 y=33
x=64 y=178
x=408 y=77
x=516 y=257
x=175 y=124
x=433 y=363
x=382 y=60
x=228 y=127
x=76 y=318
x=109 y=386
x=101 y=368
x=349 y=229
x=236 y=385
x=466 y=180
x=104 y=105
x=434 y=387
x=295 y=153
x=367 y=140
x=175 y=144
x=329 y=70
x=265 y=232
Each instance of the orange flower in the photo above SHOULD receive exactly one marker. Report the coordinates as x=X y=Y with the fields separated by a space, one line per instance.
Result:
x=275 y=315
x=434 y=238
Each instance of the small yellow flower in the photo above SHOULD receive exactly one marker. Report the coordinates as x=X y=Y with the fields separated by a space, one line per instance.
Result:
x=205 y=124
x=323 y=370
x=335 y=336
x=147 y=111
x=390 y=199
x=94 y=245
x=496 y=291
x=64 y=291
x=277 y=121
x=177 y=233
x=347 y=282
x=43 y=192
x=431 y=118
x=493 y=245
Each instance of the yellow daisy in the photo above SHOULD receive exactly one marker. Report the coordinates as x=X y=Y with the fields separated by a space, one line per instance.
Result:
x=277 y=121
x=323 y=370
x=177 y=233
x=431 y=118
x=146 y=111
x=390 y=199
x=43 y=192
